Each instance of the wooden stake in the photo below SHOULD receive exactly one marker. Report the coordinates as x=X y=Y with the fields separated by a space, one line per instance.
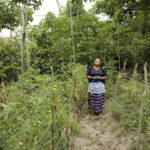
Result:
x=124 y=66
x=53 y=112
x=134 y=71
x=142 y=106
x=119 y=76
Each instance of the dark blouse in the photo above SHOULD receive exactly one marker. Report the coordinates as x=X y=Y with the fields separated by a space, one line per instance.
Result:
x=92 y=72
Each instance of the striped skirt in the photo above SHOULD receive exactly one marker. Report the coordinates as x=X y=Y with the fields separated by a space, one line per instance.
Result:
x=96 y=102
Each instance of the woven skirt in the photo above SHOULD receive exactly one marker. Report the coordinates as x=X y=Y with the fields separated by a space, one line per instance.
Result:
x=96 y=102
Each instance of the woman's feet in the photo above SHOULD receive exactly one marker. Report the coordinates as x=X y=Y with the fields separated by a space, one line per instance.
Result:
x=99 y=115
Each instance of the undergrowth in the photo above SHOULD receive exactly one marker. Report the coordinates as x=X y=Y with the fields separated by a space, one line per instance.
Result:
x=41 y=112
x=37 y=112
x=125 y=103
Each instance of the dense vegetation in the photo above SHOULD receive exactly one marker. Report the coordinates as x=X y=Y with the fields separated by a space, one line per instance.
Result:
x=42 y=70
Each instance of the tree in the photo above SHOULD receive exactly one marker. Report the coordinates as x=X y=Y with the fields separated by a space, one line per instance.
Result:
x=9 y=12
x=126 y=11
x=9 y=17
x=77 y=8
x=23 y=6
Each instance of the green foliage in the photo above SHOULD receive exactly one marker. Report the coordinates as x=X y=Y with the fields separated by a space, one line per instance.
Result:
x=125 y=108
x=8 y=15
x=36 y=105
x=77 y=8
x=30 y=3
x=51 y=44
x=112 y=77
x=79 y=93
x=9 y=59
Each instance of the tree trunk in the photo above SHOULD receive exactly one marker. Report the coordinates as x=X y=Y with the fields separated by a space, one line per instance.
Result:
x=2 y=83
x=21 y=45
x=73 y=50
x=23 y=22
x=72 y=34
x=118 y=44
x=27 y=40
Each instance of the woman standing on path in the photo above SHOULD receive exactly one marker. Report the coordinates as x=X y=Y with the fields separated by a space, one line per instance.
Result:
x=96 y=89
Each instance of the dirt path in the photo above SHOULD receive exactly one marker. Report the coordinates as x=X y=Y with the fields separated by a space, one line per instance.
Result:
x=100 y=134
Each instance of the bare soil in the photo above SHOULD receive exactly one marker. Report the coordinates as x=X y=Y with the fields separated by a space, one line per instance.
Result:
x=101 y=133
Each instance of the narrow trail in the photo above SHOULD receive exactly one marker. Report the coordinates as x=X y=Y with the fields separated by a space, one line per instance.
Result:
x=101 y=133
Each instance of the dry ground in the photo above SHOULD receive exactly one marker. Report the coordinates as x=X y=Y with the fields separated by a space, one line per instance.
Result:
x=101 y=133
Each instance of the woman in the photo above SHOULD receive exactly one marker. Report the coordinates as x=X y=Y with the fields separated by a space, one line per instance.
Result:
x=96 y=89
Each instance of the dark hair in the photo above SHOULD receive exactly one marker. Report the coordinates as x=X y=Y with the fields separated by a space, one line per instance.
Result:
x=97 y=58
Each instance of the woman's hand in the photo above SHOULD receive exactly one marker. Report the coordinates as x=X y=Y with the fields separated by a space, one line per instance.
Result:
x=90 y=77
x=102 y=78
x=97 y=77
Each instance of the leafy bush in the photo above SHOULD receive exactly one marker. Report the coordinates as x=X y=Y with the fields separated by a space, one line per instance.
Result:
x=125 y=107
x=76 y=88
x=37 y=114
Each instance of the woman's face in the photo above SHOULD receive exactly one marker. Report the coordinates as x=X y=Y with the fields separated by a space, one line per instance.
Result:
x=97 y=62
